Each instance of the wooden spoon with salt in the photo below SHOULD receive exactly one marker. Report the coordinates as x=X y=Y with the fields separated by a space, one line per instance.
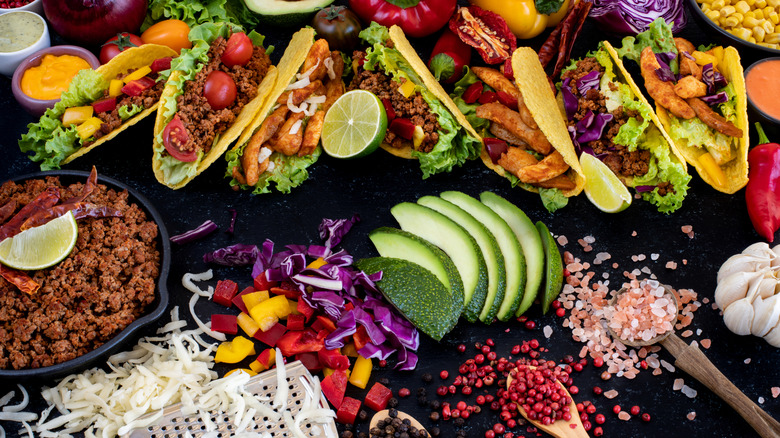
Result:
x=691 y=360
x=384 y=414
x=558 y=428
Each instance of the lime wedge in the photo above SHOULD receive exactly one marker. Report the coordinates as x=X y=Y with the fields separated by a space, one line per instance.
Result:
x=602 y=187
x=354 y=126
x=40 y=247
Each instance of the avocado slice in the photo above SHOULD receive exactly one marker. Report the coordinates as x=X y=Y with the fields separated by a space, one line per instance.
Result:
x=514 y=260
x=494 y=260
x=529 y=239
x=285 y=13
x=553 y=274
x=456 y=242
x=399 y=244
x=416 y=293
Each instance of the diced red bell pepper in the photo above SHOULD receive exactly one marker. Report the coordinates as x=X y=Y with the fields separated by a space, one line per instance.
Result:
x=388 y=109
x=334 y=386
x=360 y=337
x=507 y=100
x=224 y=292
x=271 y=336
x=265 y=360
x=287 y=289
x=402 y=127
x=348 y=410
x=296 y=322
x=104 y=105
x=161 y=64
x=306 y=341
x=136 y=87
x=349 y=306
x=488 y=97
x=238 y=300
x=333 y=359
x=310 y=360
x=473 y=92
x=327 y=323
x=262 y=283
x=378 y=397
x=227 y=324
x=304 y=309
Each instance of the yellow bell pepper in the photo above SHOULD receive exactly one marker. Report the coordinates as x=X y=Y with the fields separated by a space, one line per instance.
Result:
x=349 y=350
x=88 y=128
x=361 y=372
x=247 y=324
x=316 y=263
x=115 y=87
x=77 y=115
x=234 y=351
x=268 y=313
x=522 y=17
x=254 y=298
x=713 y=170
x=138 y=74
x=407 y=88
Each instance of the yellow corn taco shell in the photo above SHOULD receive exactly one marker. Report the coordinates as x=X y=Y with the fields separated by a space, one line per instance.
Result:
x=532 y=82
x=130 y=59
x=402 y=45
x=735 y=171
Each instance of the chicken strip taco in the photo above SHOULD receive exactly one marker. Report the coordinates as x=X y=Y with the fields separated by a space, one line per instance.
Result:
x=214 y=91
x=525 y=136
x=610 y=118
x=283 y=139
x=701 y=100
x=98 y=105
x=424 y=123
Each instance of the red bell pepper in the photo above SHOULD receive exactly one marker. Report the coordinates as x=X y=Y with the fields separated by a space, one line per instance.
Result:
x=402 y=127
x=388 y=109
x=360 y=337
x=348 y=410
x=333 y=359
x=296 y=322
x=304 y=309
x=473 y=92
x=262 y=283
x=310 y=360
x=265 y=360
x=224 y=292
x=417 y=18
x=485 y=31
x=334 y=386
x=306 y=341
x=136 y=87
x=238 y=300
x=507 y=100
x=326 y=322
x=161 y=64
x=271 y=336
x=227 y=324
x=288 y=290
x=378 y=397
x=488 y=97
x=762 y=192
x=104 y=105
x=449 y=57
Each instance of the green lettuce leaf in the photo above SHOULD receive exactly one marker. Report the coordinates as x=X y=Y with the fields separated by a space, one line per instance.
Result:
x=288 y=172
x=658 y=36
x=469 y=109
x=375 y=34
x=553 y=199
x=125 y=112
x=199 y=12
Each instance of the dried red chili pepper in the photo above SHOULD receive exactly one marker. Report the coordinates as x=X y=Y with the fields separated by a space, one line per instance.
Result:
x=80 y=210
x=550 y=46
x=450 y=55
x=572 y=25
x=19 y=279
x=7 y=210
x=485 y=31
x=45 y=200
x=762 y=192
x=89 y=187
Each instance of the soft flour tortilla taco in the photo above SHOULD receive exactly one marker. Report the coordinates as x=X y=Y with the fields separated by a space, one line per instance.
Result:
x=283 y=139
x=98 y=105
x=525 y=137
x=701 y=100
x=214 y=91
x=425 y=124
x=610 y=118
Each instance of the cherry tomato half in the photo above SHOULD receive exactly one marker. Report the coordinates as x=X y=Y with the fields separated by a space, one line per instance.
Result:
x=219 y=90
x=174 y=136
x=171 y=33
x=238 y=50
x=117 y=44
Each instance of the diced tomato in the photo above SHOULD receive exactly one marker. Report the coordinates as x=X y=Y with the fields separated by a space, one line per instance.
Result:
x=136 y=87
x=261 y=283
x=348 y=410
x=334 y=386
x=360 y=337
x=304 y=309
x=161 y=64
x=104 y=105
x=377 y=397
x=296 y=322
x=473 y=92
x=271 y=336
x=292 y=343
x=310 y=360
x=224 y=292
x=227 y=324
x=333 y=359
x=327 y=323
x=507 y=99
x=488 y=97
x=238 y=300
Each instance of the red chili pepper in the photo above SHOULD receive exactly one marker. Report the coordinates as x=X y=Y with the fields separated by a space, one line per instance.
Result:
x=417 y=18
x=20 y=279
x=449 y=57
x=763 y=188
x=507 y=99
x=161 y=64
x=104 y=105
x=473 y=92
x=485 y=31
x=495 y=147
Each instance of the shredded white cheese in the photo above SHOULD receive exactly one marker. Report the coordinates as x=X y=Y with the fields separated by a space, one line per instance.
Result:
x=296 y=127
x=270 y=167
x=329 y=65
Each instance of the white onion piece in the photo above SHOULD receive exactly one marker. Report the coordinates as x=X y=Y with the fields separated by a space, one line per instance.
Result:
x=296 y=127
x=298 y=84
x=308 y=72
x=329 y=65
x=264 y=154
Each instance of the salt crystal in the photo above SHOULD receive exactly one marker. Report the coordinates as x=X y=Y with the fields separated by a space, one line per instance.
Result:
x=691 y=415
x=625 y=416
x=589 y=239
x=654 y=256
x=678 y=384
x=688 y=391
x=562 y=240
x=633 y=234
x=698 y=332
x=761 y=400
x=547 y=331
x=653 y=361
x=747 y=361
x=775 y=391
x=669 y=367
x=686 y=229
x=610 y=394
x=671 y=265
x=641 y=257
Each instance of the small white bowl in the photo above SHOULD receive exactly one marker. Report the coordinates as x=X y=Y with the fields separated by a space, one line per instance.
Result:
x=34 y=6
x=10 y=60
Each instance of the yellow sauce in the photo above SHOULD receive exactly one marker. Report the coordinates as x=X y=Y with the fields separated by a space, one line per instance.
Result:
x=48 y=80
x=19 y=30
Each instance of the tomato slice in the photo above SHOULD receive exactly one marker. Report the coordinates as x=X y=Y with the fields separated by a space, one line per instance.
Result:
x=238 y=50
x=174 y=136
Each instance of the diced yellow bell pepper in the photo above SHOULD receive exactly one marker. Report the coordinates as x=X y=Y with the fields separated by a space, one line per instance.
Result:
x=76 y=115
x=270 y=311
x=254 y=298
x=241 y=370
x=418 y=136
x=264 y=361
x=247 y=324
x=115 y=87
x=88 y=128
x=407 y=88
x=234 y=351
x=717 y=52
x=349 y=350
x=317 y=263
x=138 y=74
x=328 y=371
x=361 y=372
x=293 y=307
x=704 y=58
x=712 y=169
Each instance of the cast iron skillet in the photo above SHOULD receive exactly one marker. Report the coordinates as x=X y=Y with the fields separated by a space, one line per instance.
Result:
x=154 y=311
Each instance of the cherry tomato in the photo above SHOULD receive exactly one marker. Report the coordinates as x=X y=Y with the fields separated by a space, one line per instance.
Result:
x=171 y=33
x=174 y=136
x=339 y=26
x=219 y=89
x=238 y=50
x=117 y=44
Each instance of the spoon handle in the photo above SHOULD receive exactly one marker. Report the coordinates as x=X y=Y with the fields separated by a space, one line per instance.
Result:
x=691 y=360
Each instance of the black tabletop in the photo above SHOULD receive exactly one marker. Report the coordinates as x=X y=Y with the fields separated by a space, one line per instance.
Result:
x=637 y=238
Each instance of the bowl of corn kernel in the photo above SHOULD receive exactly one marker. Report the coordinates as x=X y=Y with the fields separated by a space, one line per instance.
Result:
x=747 y=24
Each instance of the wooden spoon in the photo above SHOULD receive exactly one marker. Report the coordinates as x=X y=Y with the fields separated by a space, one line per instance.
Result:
x=384 y=414
x=558 y=428
x=691 y=360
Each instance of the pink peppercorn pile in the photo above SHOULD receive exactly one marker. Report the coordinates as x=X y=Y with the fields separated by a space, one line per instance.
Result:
x=6 y=4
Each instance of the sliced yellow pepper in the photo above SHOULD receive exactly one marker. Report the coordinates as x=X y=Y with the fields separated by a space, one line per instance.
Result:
x=317 y=263
x=349 y=350
x=704 y=58
x=234 y=351
x=247 y=324
x=712 y=169
x=361 y=372
x=115 y=87
x=407 y=88
x=138 y=74
x=76 y=115
x=268 y=313
x=254 y=298
x=88 y=128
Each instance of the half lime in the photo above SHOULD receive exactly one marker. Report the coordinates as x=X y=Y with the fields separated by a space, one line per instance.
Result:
x=354 y=126
x=603 y=187
x=40 y=247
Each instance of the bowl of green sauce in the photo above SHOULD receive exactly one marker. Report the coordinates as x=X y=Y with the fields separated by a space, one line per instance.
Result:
x=22 y=33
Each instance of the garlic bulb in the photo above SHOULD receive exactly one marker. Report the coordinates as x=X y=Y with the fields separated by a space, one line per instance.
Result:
x=748 y=292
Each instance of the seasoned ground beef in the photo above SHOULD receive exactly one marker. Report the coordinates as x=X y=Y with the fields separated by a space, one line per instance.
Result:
x=105 y=284
x=147 y=98
x=203 y=123
x=414 y=108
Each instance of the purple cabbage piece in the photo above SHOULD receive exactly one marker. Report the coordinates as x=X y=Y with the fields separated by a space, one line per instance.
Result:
x=631 y=17
x=332 y=231
x=200 y=232
x=641 y=189
x=665 y=57
x=570 y=102
x=714 y=80
x=715 y=99
x=591 y=127
x=233 y=215
x=664 y=72
x=588 y=82
x=234 y=255
x=263 y=259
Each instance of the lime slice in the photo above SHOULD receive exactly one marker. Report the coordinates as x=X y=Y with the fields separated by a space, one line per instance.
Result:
x=354 y=126
x=40 y=247
x=602 y=187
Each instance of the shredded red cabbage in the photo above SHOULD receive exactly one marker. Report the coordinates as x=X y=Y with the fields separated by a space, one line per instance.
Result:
x=202 y=231
x=641 y=189
x=331 y=231
x=588 y=82
x=714 y=80
x=233 y=214
x=631 y=17
x=591 y=127
x=234 y=255
x=570 y=102
x=715 y=99
x=664 y=72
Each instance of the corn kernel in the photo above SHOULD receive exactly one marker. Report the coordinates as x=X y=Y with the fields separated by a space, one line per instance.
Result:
x=759 y=34
x=768 y=26
x=750 y=3
x=718 y=4
x=772 y=38
x=758 y=13
x=705 y=8
x=741 y=33
x=713 y=15
x=726 y=10
x=730 y=21
x=738 y=16
x=760 y=4
x=774 y=17
x=742 y=7
x=773 y=3
x=750 y=22
x=767 y=10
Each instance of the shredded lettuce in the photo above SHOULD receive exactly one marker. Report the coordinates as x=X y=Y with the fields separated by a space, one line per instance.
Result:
x=199 y=12
x=125 y=111
x=658 y=36
x=288 y=172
